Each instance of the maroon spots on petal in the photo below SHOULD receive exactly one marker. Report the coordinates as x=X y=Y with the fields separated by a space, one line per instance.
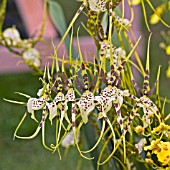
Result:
x=146 y=84
x=116 y=105
x=147 y=72
x=73 y=124
x=118 y=112
x=130 y=119
x=120 y=122
x=122 y=132
x=135 y=107
x=132 y=113
x=73 y=110
x=105 y=118
x=79 y=11
x=120 y=68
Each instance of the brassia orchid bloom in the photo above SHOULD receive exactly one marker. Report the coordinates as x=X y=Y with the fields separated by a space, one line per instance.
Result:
x=129 y=125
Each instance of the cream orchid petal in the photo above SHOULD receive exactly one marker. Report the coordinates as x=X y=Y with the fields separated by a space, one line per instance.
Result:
x=105 y=99
x=38 y=103
x=35 y=104
x=120 y=100
x=52 y=110
x=125 y=92
x=29 y=104
x=86 y=105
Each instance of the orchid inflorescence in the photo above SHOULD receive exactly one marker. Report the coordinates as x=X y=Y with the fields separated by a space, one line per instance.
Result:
x=103 y=94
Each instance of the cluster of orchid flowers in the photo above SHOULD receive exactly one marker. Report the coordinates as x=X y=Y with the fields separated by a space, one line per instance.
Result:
x=103 y=93
x=76 y=99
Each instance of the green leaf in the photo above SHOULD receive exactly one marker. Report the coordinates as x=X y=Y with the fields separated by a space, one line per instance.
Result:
x=59 y=21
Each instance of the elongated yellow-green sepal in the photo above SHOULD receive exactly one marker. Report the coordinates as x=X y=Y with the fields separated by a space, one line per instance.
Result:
x=72 y=22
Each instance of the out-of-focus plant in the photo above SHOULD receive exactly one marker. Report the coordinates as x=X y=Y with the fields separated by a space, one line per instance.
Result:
x=158 y=11
x=161 y=10
x=23 y=48
x=166 y=46
x=103 y=93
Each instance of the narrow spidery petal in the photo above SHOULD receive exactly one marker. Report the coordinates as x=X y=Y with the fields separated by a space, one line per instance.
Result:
x=53 y=106
x=99 y=139
x=52 y=110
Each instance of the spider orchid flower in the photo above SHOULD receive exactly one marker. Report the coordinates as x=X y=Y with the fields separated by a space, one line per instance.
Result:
x=38 y=103
x=105 y=99
x=103 y=104
x=149 y=109
x=53 y=106
x=35 y=104
x=97 y=5
x=117 y=53
x=11 y=38
x=86 y=105
x=111 y=94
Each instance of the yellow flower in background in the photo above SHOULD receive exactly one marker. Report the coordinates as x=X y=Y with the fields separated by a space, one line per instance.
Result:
x=168 y=50
x=161 y=149
x=161 y=128
x=164 y=154
x=154 y=147
x=136 y=2
x=154 y=19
